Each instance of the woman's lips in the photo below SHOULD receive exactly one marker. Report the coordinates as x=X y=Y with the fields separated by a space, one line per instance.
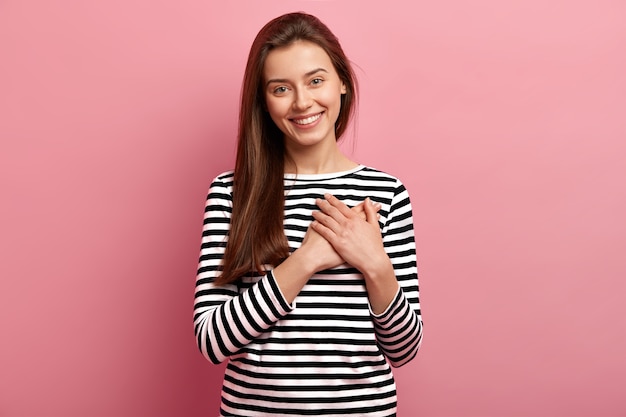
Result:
x=305 y=121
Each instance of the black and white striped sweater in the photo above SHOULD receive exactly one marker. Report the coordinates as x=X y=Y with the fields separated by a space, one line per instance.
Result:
x=326 y=354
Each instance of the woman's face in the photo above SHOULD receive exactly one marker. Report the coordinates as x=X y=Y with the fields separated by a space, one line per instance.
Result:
x=303 y=94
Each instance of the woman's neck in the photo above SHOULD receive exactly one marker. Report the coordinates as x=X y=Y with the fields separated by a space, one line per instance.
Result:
x=317 y=161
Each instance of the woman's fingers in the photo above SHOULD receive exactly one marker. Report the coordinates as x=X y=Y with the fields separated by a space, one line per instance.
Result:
x=371 y=214
x=360 y=209
x=333 y=207
x=337 y=219
x=356 y=240
x=325 y=220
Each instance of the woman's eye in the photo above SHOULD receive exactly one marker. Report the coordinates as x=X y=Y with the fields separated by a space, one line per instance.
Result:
x=280 y=90
x=316 y=81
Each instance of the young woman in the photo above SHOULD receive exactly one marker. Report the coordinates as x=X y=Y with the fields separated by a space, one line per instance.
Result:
x=307 y=280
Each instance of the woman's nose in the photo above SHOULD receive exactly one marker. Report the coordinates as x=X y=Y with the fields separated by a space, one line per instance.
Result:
x=303 y=100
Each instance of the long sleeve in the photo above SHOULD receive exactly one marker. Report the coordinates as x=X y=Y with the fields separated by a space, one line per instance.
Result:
x=226 y=320
x=399 y=328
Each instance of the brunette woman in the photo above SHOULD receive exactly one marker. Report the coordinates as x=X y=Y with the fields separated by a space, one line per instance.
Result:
x=307 y=280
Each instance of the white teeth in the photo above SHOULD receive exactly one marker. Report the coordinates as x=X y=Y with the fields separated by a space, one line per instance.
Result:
x=308 y=120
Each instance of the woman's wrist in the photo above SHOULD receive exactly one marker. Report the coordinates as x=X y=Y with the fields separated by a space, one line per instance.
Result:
x=305 y=260
x=382 y=286
x=379 y=269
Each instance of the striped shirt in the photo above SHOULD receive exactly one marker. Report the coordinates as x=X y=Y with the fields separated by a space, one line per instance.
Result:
x=327 y=353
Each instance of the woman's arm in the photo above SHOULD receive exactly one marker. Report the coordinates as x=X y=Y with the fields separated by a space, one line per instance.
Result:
x=225 y=320
x=387 y=260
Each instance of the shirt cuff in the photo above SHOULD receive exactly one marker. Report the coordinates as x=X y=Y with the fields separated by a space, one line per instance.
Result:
x=277 y=293
x=394 y=302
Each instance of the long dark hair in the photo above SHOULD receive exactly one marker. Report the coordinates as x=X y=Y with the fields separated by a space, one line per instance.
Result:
x=256 y=235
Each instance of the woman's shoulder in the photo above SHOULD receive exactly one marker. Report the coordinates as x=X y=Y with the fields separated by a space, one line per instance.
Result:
x=223 y=182
x=376 y=174
x=225 y=177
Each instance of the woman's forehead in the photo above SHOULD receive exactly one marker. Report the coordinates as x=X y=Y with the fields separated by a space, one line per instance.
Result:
x=299 y=59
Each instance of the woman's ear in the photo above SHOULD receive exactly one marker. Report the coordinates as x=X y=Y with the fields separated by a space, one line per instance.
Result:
x=344 y=89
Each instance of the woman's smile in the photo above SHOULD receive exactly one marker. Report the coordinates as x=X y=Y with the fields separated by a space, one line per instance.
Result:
x=307 y=121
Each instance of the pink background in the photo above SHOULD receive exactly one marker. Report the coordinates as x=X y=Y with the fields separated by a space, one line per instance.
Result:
x=505 y=119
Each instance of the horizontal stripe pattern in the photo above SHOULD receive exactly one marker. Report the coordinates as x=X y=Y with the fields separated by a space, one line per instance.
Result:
x=326 y=354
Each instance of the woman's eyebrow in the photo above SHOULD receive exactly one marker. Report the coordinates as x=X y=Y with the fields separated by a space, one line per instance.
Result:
x=284 y=80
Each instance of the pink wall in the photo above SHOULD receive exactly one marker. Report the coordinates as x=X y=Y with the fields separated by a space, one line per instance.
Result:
x=505 y=119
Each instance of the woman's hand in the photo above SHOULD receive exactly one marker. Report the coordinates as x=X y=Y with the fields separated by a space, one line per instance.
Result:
x=353 y=233
x=359 y=242
x=325 y=255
